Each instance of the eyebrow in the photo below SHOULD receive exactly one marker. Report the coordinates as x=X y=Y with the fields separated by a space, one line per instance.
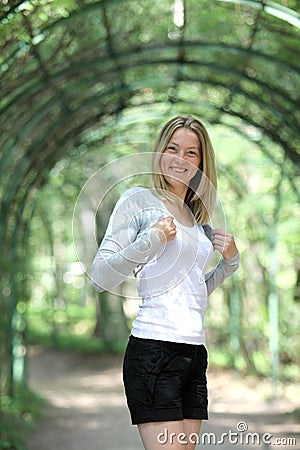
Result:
x=192 y=146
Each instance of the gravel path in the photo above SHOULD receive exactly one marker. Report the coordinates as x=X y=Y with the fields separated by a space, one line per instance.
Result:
x=87 y=411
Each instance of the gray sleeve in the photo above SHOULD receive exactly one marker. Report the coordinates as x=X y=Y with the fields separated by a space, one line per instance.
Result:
x=124 y=246
x=222 y=271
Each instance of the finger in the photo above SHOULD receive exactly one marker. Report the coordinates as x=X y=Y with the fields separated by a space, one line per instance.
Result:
x=222 y=233
x=226 y=237
x=170 y=223
x=219 y=248
x=219 y=241
x=219 y=231
x=219 y=245
x=219 y=237
x=169 y=218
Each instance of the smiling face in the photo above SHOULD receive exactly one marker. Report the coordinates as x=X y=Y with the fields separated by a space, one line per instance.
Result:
x=180 y=160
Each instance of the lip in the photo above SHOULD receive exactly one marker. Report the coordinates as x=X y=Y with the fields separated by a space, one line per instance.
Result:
x=178 y=169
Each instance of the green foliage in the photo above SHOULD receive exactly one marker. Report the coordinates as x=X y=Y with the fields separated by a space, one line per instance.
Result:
x=256 y=215
x=86 y=82
x=17 y=418
x=63 y=312
x=80 y=344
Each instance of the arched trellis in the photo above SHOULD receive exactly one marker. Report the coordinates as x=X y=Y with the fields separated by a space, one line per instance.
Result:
x=68 y=66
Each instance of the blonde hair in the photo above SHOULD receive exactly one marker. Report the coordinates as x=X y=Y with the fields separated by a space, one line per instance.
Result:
x=201 y=193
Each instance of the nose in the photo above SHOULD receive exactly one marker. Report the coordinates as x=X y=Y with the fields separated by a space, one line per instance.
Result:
x=181 y=155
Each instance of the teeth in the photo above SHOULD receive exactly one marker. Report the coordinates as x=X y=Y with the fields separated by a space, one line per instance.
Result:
x=178 y=170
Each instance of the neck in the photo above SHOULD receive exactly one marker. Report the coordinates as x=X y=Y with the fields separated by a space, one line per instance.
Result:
x=179 y=194
x=176 y=201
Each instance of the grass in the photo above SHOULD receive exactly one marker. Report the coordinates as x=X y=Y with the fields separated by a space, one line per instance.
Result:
x=78 y=343
x=17 y=418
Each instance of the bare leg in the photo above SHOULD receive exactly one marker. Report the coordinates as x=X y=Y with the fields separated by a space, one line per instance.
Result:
x=172 y=435
x=163 y=435
x=192 y=430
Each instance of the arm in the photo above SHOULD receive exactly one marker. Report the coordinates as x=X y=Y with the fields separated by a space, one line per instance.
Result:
x=225 y=244
x=125 y=244
x=224 y=269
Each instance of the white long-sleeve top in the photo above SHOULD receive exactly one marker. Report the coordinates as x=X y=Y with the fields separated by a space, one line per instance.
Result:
x=171 y=277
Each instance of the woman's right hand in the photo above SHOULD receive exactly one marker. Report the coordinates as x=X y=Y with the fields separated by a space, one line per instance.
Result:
x=165 y=229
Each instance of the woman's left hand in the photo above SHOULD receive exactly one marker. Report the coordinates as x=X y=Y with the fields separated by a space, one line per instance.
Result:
x=224 y=243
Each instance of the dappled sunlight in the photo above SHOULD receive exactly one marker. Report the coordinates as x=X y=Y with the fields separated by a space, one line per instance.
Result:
x=249 y=395
x=86 y=401
x=86 y=83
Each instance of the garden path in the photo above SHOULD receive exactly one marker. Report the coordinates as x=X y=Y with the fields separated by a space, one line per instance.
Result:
x=86 y=408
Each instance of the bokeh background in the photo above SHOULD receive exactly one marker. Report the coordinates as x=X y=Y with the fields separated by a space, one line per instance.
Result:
x=85 y=83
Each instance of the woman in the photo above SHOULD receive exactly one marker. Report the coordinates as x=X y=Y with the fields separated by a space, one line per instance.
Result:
x=161 y=234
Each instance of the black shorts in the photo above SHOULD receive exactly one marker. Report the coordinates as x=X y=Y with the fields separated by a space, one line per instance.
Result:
x=165 y=381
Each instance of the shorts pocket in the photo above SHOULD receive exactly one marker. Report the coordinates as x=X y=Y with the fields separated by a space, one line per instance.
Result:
x=140 y=368
x=147 y=370
x=155 y=372
x=152 y=378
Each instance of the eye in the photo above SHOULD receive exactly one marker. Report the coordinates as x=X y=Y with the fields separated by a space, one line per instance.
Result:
x=192 y=153
x=171 y=148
